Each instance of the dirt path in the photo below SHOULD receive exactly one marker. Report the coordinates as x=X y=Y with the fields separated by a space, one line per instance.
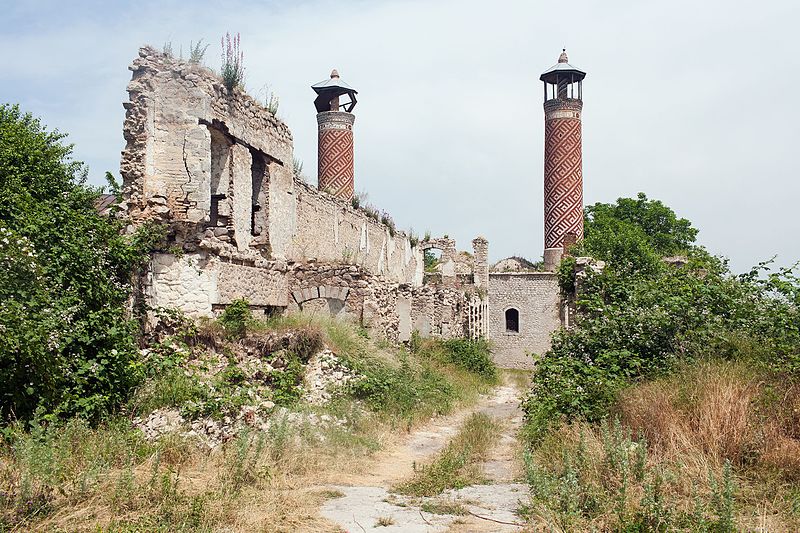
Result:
x=367 y=500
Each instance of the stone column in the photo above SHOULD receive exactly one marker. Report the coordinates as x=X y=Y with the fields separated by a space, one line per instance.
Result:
x=335 y=157
x=563 y=177
x=480 y=249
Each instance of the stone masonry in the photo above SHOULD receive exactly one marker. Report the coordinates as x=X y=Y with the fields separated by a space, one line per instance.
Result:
x=214 y=167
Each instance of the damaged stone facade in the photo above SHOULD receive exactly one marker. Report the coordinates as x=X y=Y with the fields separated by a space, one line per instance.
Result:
x=214 y=166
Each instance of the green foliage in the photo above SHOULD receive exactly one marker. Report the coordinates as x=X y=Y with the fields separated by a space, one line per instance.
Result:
x=401 y=391
x=640 y=316
x=67 y=344
x=566 y=275
x=236 y=318
x=197 y=51
x=430 y=260
x=649 y=220
x=472 y=355
x=458 y=465
x=286 y=383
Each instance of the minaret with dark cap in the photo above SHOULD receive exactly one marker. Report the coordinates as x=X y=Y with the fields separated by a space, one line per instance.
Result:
x=563 y=159
x=335 y=142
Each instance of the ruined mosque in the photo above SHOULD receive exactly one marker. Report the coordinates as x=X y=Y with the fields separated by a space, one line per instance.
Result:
x=216 y=167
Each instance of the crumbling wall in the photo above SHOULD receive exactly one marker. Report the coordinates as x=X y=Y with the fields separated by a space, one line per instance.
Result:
x=215 y=166
x=331 y=230
x=536 y=296
x=389 y=310
x=192 y=154
x=197 y=284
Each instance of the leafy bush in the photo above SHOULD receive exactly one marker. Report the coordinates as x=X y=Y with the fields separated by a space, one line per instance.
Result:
x=640 y=316
x=236 y=318
x=472 y=355
x=67 y=345
x=401 y=391
x=287 y=383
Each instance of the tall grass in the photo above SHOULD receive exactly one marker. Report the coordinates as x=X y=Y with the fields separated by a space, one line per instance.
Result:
x=76 y=477
x=459 y=464
x=710 y=448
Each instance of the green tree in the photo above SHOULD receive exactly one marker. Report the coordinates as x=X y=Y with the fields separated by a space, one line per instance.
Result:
x=634 y=234
x=665 y=232
x=67 y=345
x=639 y=316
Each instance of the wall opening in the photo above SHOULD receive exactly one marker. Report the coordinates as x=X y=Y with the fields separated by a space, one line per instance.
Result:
x=512 y=321
x=220 y=212
x=259 y=171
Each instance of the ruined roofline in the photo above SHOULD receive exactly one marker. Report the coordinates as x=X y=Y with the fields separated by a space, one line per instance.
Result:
x=522 y=274
x=341 y=203
x=183 y=67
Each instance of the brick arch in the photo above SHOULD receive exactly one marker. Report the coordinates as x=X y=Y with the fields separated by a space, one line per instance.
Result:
x=320 y=291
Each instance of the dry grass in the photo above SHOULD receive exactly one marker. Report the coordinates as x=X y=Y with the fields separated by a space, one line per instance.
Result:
x=663 y=467
x=252 y=484
x=717 y=411
x=458 y=464
x=76 y=478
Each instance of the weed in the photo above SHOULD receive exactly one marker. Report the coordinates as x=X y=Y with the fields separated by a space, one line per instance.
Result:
x=472 y=355
x=272 y=103
x=243 y=461
x=384 y=521
x=232 y=62
x=447 y=507
x=297 y=168
x=458 y=465
x=359 y=199
x=197 y=51
x=236 y=318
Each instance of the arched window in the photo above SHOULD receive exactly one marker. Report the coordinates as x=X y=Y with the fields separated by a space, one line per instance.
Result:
x=512 y=320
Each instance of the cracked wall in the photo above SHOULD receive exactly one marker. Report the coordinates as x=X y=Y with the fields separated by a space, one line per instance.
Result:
x=192 y=153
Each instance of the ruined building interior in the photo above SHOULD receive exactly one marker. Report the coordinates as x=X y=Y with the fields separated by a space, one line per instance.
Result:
x=216 y=167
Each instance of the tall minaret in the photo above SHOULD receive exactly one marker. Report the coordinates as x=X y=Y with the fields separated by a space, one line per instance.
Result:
x=563 y=161
x=335 y=142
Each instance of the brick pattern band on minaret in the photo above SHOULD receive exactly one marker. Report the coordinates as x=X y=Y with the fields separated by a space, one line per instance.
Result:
x=335 y=157
x=563 y=172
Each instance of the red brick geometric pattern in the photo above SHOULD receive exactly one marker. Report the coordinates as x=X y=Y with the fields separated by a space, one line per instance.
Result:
x=336 y=162
x=563 y=181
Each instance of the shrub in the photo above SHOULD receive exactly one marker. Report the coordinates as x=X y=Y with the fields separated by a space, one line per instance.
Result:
x=639 y=316
x=401 y=391
x=68 y=344
x=236 y=318
x=472 y=355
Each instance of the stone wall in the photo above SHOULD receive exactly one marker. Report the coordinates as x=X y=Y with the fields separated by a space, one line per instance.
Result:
x=331 y=230
x=386 y=309
x=198 y=283
x=205 y=159
x=536 y=297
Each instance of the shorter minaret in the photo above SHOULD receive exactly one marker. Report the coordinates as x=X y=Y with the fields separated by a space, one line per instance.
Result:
x=563 y=159
x=335 y=173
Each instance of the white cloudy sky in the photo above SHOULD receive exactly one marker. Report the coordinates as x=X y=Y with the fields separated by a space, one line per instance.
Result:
x=692 y=102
